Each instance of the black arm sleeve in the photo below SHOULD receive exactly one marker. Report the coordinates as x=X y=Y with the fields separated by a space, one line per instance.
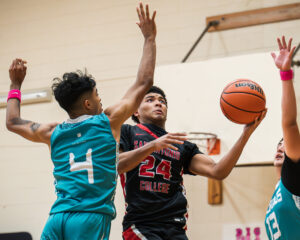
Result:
x=190 y=150
x=290 y=175
x=125 y=140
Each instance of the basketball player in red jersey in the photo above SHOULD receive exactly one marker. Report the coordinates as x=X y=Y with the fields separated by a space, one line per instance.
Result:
x=151 y=166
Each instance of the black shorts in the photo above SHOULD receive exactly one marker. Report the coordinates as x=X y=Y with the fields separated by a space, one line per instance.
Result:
x=148 y=231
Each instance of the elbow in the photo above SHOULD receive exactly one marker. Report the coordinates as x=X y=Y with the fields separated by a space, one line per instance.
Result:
x=9 y=126
x=219 y=175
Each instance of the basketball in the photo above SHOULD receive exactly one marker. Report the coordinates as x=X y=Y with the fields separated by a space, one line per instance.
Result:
x=242 y=101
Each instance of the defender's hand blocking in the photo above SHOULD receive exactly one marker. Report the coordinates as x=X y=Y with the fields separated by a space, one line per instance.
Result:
x=146 y=24
x=168 y=140
x=17 y=72
x=284 y=60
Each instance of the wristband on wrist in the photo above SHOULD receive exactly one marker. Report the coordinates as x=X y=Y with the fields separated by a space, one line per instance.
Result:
x=14 y=93
x=286 y=75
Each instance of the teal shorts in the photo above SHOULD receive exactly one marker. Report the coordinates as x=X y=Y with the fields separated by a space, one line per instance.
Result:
x=77 y=225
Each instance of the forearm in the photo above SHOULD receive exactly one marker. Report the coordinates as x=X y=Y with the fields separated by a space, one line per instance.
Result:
x=290 y=128
x=129 y=160
x=288 y=105
x=16 y=124
x=147 y=65
x=223 y=168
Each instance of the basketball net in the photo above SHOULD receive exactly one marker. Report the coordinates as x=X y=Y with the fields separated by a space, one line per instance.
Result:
x=208 y=143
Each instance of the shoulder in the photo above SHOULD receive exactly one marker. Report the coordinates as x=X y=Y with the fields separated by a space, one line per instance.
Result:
x=290 y=175
x=127 y=132
x=126 y=128
x=291 y=166
x=101 y=116
x=189 y=147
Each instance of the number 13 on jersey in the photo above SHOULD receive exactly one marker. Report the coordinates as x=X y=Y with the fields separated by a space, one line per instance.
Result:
x=273 y=226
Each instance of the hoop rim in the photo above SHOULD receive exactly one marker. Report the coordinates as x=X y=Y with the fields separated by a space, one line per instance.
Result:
x=210 y=135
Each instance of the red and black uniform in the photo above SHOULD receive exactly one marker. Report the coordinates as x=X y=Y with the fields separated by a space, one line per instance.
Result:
x=154 y=191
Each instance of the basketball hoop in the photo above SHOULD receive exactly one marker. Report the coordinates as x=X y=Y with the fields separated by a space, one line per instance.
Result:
x=208 y=143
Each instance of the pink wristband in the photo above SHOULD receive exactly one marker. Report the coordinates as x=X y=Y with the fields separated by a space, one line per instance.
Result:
x=286 y=75
x=14 y=93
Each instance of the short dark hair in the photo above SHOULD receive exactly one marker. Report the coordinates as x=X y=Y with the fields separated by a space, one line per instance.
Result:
x=153 y=89
x=72 y=85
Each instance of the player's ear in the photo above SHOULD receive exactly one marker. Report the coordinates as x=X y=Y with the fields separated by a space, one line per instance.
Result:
x=87 y=105
x=136 y=114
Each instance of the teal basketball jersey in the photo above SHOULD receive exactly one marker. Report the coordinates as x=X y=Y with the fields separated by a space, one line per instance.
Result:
x=84 y=153
x=283 y=215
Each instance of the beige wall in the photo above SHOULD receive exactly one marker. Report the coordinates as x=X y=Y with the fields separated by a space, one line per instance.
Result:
x=58 y=36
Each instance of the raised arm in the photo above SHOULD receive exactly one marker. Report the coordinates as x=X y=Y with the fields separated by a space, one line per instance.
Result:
x=129 y=160
x=290 y=128
x=30 y=130
x=121 y=111
x=204 y=165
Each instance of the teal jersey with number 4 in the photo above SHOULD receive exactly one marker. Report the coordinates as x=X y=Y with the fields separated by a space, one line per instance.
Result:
x=84 y=153
x=283 y=215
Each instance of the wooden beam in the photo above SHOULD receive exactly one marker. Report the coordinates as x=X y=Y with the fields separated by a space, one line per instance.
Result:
x=256 y=164
x=215 y=192
x=255 y=17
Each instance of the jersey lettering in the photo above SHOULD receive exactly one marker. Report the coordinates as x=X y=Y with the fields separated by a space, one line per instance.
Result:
x=154 y=186
x=276 y=199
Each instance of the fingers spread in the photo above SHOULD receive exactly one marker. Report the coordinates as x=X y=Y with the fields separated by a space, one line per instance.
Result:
x=172 y=147
x=153 y=15
x=142 y=10
x=290 y=44
x=279 y=43
x=273 y=55
x=283 y=42
x=147 y=12
x=139 y=14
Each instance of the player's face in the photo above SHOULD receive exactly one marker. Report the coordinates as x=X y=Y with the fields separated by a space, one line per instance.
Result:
x=153 y=109
x=96 y=102
x=279 y=156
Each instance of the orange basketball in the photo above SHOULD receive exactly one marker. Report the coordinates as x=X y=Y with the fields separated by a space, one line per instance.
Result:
x=242 y=101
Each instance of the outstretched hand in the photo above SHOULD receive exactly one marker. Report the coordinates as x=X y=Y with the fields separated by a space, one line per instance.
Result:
x=17 y=72
x=284 y=60
x=250 y=128
x=167 y=141
x=146 y=24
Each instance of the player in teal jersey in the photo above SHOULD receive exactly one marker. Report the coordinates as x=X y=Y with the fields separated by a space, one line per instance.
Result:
x=283 y=215
x=84 y=148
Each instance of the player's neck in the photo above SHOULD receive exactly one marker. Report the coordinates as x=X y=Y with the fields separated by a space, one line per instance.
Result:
x=278 y=172
x=74 y=115
x=160 y=124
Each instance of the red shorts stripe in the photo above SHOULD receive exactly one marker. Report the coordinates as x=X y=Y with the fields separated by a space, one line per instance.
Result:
x=130 y=235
